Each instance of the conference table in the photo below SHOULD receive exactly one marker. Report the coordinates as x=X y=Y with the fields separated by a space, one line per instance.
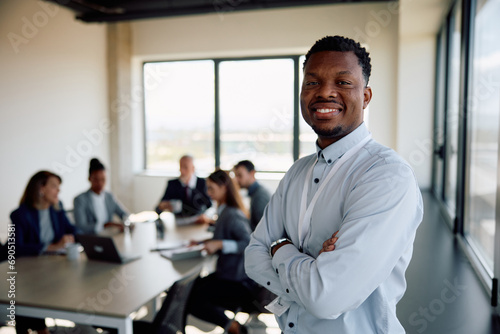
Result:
x=102 y=293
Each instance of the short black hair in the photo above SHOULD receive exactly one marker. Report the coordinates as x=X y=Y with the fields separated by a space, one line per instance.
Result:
x=343 y=44
x=245 y=163
x=95 y=165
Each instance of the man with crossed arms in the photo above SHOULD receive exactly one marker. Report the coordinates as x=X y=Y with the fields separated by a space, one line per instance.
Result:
x=337 y=236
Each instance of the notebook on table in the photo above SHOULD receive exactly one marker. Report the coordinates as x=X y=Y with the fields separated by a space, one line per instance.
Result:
x=183 y=253
x=103 y=248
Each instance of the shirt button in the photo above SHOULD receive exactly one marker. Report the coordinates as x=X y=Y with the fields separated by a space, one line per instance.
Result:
x=316 y=180
x=268 y=283
x=277 y=271
x=329 y=161
x=287 y=291
x=291 y=324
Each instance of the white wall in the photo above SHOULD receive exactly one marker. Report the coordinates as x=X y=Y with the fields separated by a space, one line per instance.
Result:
x=53 y=98
x=54 y=89
x=416 y=104
x=272 y=32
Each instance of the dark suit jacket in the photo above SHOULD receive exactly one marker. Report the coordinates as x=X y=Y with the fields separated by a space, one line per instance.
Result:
x=26 y=221
x=196 y=204
x=259 y=197
x=232 y=225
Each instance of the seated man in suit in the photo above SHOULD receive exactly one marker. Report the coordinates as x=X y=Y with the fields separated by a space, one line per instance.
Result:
x=259 y=196
x=190 y=190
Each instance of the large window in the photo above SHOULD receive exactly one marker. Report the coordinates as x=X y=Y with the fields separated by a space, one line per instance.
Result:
x=453 y=108
x=468 y=87
x=256 y=113
x=179 y=103
x=439 y=118
x=222 y=111
x=484 y=111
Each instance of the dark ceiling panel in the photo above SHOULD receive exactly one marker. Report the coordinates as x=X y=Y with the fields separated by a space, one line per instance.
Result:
x=125 y=10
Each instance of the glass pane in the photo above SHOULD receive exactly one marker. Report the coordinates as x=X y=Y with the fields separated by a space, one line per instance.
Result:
x=439 y=124
x=256 y=113
x=452 y=117
x=307 y=137
x=179 y=114
x=484 y=118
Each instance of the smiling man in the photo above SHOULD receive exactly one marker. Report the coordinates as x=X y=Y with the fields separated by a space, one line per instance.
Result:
x=337 y=235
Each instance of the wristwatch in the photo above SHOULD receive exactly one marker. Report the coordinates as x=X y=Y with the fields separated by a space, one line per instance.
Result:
x=276 y=243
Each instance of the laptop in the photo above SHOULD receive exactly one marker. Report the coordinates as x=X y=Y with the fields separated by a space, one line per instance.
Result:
x=103 y=248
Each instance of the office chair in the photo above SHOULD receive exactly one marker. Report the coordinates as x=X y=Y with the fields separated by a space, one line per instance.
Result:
x=171 y=319
x=256 y=307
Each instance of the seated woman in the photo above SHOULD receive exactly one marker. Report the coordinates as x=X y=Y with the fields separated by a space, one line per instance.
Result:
x=41 y=226
x=41 y=222
x=94 y=209
x=229 y=287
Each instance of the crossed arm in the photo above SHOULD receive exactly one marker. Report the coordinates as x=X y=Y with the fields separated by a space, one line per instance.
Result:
x=328 y=245
x=361 y=262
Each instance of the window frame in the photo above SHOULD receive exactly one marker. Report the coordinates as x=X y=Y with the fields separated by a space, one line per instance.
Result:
x=217 y=131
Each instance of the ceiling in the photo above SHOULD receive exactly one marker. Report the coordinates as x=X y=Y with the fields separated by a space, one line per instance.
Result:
x=126 y=10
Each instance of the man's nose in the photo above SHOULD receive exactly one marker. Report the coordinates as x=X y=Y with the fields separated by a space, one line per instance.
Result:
x=327 y=90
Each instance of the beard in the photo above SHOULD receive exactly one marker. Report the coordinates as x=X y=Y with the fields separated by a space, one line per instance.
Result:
x=329 y=133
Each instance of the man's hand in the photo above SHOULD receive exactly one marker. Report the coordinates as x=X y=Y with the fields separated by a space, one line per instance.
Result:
x=329 y=244
x=212 y=246
x=120 y=226
x=165 y=206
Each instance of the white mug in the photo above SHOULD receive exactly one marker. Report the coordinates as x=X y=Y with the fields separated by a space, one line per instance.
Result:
x=73 y=251
x=176 y=205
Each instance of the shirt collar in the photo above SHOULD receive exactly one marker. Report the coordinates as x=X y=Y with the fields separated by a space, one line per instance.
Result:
x=334 y=151
x=253 y=188
x=99 y=196
x=191 y=183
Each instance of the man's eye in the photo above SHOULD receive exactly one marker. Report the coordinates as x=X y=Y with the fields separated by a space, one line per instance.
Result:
x=311 y=83
x=344 y=82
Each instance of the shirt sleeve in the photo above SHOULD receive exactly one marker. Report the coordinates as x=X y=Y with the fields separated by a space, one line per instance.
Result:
x=229 y=247
x=258 y=265
x=381 y=214
x=25 y=245
x=119 y=208
x=168 y=195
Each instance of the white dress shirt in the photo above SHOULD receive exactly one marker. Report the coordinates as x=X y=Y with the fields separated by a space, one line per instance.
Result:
x=101 y=213
x=46 y=229
x=373 y=200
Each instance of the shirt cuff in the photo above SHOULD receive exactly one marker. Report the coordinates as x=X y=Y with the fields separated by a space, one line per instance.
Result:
x=229 y=247
x=282 y=254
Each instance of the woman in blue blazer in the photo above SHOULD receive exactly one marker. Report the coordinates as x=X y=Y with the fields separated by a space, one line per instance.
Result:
x=228 y=287
x=41 y=226
x=40 y=220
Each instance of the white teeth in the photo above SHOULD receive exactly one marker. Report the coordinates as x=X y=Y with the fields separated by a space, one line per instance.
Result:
x=324 y=111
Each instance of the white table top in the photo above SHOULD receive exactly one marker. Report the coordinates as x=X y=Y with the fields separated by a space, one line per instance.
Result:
x=101 y=288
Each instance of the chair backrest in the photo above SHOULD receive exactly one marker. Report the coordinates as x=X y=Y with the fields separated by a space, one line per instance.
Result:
x=262 y=297
x=171 y=319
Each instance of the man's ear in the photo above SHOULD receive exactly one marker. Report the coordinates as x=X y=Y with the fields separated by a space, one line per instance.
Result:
x=367 y=93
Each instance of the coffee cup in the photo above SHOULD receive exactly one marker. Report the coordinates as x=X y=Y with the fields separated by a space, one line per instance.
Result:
x=176 y=205
x=73 y=251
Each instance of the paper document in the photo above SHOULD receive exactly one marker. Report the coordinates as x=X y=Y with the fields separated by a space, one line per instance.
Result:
x=183 y=253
